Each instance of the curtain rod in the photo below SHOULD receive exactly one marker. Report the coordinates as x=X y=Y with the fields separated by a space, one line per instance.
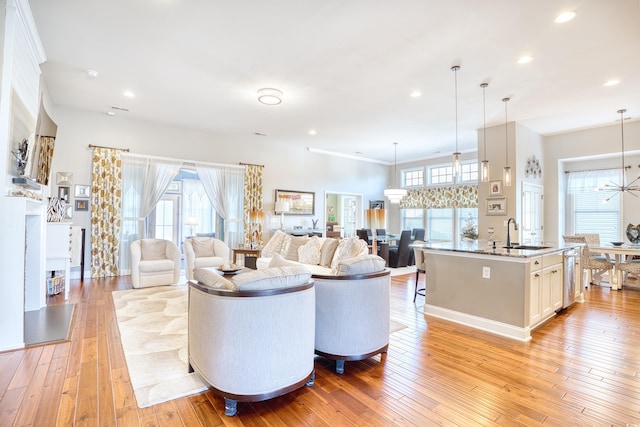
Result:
x=601 y=169
x=185 y=161
x=249 y=164
x=109 y=148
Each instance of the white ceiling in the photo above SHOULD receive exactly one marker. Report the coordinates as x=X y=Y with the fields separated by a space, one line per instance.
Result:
x=346 y=68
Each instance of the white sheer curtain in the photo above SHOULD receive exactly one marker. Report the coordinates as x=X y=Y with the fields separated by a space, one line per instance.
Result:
x=590 y=180
x=224 y=186
x=132 y=223
x=159 y=175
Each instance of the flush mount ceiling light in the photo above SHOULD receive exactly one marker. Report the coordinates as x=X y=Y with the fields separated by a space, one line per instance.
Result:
x=631 y=188
x=395 y=194
x=456 y=155
x=506 y=171
x=525 y=59
x=565 y=17
x=269 y=96
x=484 y=168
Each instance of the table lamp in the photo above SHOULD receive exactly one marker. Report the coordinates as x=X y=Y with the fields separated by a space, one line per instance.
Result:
x=192 y=222
x=282 y=207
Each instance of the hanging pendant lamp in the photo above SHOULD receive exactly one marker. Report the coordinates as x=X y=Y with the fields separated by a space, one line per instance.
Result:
x=506 y=171
x=484 y=167
x=631 y=188
x=395 y=194
x=456 y=156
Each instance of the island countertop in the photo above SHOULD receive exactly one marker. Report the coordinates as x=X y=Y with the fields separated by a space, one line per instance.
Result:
x=483 y=248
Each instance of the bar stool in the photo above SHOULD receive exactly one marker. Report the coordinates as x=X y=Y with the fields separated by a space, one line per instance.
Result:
x=421 y=267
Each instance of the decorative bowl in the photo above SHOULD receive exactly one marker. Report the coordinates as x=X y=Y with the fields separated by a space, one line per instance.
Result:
x=633 y=233
x=616 y=243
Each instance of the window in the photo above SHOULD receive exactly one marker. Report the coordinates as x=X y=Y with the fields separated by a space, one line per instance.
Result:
x=439 y=224
x=589 y=210
x=412 y=218
x=467 y=218
x=413 y=178
x=441 y=174
x=469 y=172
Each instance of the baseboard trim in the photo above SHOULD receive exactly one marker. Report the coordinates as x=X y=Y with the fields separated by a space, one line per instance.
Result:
x=498 y=328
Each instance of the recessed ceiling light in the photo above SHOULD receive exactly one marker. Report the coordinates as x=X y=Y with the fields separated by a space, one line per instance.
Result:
x=128 y=94
x=92 y=73
x=269 y=96
x=612 y=82
x=525 y=59
x=312 y=132
x=415 y=94
x=565 y=17
x=111 y=113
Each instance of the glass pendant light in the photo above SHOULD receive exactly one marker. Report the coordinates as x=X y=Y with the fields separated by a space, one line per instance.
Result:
x=456 y=155
x=484 y=167
x=506 y=172
x=395 y=194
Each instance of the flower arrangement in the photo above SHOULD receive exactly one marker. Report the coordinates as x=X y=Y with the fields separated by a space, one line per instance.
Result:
x=470 y=229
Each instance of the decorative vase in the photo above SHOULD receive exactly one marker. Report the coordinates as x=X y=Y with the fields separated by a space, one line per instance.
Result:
x=633 y=233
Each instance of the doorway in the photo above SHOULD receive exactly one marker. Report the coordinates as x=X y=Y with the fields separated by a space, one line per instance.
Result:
x=343 y=212
x=532 y=209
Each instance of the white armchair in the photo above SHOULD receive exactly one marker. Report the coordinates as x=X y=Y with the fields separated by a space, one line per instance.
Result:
x=251 y=339
x=200 y=252
x=154 y=262
x=352 y=315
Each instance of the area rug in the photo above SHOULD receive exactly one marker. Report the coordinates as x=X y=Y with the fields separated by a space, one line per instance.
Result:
x=403 y=270
x=153 y=330
x=396 y=326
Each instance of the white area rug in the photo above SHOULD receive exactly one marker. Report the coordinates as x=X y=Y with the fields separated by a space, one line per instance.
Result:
x=153 y=330
x=403 y=270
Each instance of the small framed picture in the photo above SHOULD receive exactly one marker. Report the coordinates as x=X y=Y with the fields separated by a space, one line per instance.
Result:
x=82 y=191
x=68 y=212
x=495 y=188
x=64 y=193
x=497 y=206
x=64 y=178
x=82 y=205
x=376 y=204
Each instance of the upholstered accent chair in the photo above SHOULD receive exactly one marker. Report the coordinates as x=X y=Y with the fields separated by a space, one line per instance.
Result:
x=200 y=252
x=594 y=264
x=630 y=267
x=251 y=338
x=154 y=262
x=352 y=313
x=421 y=267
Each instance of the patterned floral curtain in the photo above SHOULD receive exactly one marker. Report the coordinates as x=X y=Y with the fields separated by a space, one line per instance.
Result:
x=106 y=180
x=451 y=196
x=253 y=208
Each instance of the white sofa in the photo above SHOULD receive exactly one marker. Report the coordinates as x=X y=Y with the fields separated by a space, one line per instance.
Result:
x=321 y=255
x=154 y=262
x=202 y=252
x=252 y=338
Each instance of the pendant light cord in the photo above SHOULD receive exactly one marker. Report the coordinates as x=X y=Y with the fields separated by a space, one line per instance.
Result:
x=624 y=175
x=455 y=73
x=484 y=119
x=506 y=130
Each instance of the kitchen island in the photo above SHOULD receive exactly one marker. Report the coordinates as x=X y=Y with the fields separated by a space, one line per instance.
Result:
x=504 y=291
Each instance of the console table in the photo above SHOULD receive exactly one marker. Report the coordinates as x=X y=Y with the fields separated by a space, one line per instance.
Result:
x=254 y=253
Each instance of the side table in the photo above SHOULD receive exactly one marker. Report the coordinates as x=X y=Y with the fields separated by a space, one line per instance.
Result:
x=250 y=256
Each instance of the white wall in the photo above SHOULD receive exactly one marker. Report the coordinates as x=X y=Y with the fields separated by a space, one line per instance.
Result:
x=594 y=148
x=290 y=167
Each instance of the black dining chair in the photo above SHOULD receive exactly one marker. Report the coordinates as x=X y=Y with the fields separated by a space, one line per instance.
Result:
x=381 y=232
x=399 y=255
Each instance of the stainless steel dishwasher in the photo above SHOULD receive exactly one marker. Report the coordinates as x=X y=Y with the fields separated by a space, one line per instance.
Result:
x=569 y=282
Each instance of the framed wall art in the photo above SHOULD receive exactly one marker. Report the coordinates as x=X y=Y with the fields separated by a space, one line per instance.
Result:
x=298 y=202
x=82 y=191
x=82 y=205
x=64 y=193
x=495 y=188
x=497 y=206
x=376 y=204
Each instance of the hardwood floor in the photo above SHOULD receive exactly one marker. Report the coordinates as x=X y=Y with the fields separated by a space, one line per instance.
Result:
x=581 y=368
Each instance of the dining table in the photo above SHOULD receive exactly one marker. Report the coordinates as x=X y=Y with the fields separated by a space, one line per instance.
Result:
x=620 y=252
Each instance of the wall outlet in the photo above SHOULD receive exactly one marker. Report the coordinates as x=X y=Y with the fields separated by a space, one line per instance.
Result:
x=486 y=272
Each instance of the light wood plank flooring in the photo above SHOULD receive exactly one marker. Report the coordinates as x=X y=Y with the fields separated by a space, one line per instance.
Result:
x=581 y=368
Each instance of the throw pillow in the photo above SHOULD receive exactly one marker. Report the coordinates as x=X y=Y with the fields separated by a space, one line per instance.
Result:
x=349 y=248
x=274 y=244
x=310 y=252
x=285 y=244
x=362 y=264
x=292 y=248
x=272 y=278
x=202 y=246
x=278 y=261
x=152 y=249
x=212 y=279
x=326 y=253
